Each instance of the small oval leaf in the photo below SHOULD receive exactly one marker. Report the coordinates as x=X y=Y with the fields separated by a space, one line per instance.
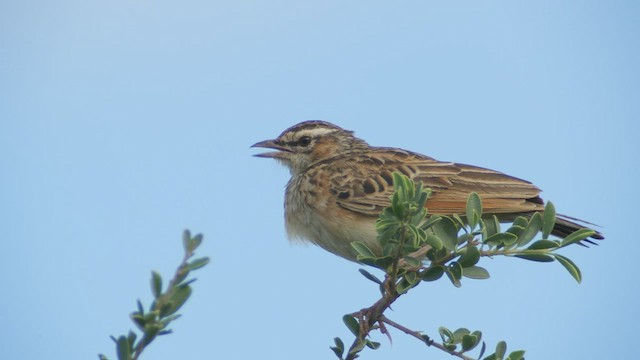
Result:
x=362 y=249
x=517 y=355
x=548 y=219
x=123 y=348
x=501 y=349
x=434 y=241
x=352 y=324
x=533 y=227
x=446 y=230
x=469 y=342
x=370 y=276
x=198 y=263
x=571 y=267
x=156 y=284
x=577 y=236
x=501 y=239
x=469 y=257
x=475 y=272
x=474 y=210
x=433 y=273
x=535 y=257
x=544 y=244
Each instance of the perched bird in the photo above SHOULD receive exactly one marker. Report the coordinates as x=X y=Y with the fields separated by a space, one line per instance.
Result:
x=339 y=186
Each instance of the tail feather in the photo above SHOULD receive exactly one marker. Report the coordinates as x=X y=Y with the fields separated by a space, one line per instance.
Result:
x=566 y=225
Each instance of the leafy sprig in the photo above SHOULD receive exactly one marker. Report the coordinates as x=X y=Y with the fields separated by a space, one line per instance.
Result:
x=417 y=249
x=163 y=310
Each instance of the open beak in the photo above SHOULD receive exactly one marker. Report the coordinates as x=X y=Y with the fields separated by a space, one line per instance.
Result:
x=282 y=153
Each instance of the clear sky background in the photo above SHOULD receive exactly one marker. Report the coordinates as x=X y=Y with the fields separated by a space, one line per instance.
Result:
x=124 y=122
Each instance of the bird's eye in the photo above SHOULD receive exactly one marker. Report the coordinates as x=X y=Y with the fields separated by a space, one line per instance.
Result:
x=304 y=141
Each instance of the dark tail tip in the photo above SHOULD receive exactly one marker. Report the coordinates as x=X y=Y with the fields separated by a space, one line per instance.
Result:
x=566 y=225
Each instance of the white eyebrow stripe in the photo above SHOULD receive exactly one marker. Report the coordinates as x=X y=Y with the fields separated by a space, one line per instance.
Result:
x=316 y=132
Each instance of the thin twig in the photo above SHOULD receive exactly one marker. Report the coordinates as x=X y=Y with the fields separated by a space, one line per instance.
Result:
x=420 y=337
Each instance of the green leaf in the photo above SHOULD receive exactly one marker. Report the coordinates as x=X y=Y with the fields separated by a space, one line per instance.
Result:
x=195 y=242
x=501 y=349
x=433 y=273
x=469 y=257
x=198 y=263
x=501 y=239
x=475 y=272
x=181 y=275
x=434 y=241
x=339 y=348
x=548 y=219
x=370 y=276
x=454 y=272
x=491 y=227
x=383 y=262
x=138 y=320
x=167 y=320
x=515 y=230
x=186 y=239
x=150 y=332
x=577 y=236
x=131 y=337
x=413 y=237
x=474 y=210
x=544 y=244
x=102 y=357
x=446 y=230
x=571 y=267
x=362 y=249
x=151 y=317
x=405 y=285
x=531 y=230
x=469 y=342
x=357 y=347
x=459 y=333
x=411 y=261
x=478 y=335
x=517 y=355
x=385 y=236
x=411 y=277
x=398 y=181
x=178 y=298
x=446 y=335
x=535 y=257
x=156 y=284
x=483 y=348
x=352 y=324
x=430 y=221
x=396 y=205
x=521 y=221
x=368 y=261
x=123 y=348
x=460 y=224
x=373 y=345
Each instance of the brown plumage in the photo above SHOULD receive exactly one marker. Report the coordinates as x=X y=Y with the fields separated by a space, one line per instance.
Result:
x=340 y=184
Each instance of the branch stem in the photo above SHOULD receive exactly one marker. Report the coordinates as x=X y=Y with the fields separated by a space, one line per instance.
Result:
x=419 y=336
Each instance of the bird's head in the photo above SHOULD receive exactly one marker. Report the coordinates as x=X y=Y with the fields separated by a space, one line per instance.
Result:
x=309 y=142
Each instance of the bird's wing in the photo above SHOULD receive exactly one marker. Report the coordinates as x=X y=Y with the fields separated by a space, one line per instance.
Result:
x=363 y=184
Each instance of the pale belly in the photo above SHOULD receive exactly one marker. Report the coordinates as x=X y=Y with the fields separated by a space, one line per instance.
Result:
x=326 y=225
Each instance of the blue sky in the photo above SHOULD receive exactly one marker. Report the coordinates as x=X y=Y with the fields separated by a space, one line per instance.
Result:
x=124 y=122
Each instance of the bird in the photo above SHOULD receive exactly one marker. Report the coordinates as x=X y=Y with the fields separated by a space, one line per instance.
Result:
x=340 y=184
